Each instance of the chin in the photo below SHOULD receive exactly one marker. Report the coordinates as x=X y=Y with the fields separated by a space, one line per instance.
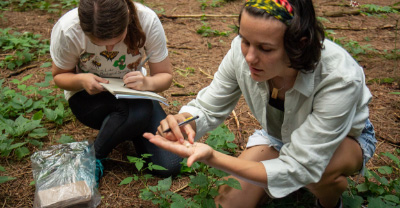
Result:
x=257 y=78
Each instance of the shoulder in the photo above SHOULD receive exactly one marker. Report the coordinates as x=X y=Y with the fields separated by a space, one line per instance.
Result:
x=144 y=12
x=337 y=62
x=69 y=21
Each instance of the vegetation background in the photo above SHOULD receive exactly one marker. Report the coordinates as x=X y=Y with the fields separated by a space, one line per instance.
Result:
x=33 y=114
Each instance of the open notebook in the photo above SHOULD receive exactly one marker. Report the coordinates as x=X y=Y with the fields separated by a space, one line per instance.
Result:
x=116 y=87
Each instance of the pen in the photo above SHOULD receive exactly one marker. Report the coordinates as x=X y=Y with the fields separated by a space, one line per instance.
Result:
x=139 y=67
x=183 y=122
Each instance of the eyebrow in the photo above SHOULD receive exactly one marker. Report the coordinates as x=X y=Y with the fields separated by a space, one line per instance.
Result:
x=264 y=43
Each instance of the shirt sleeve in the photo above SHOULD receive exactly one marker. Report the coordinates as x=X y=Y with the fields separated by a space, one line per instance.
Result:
x=156 y=41
x=214 y=103
x=304 y=159
x=65 y=46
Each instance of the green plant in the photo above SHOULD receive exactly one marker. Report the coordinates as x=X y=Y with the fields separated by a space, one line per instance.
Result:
x=355 y=48
x=21 y=115
x=206 y=31
x=377 y=191
x=21 y=48
x=185 y=72
x=4 y=179
x=370 y=9
x=203 y=179
x=221 y=140
x=139 y=164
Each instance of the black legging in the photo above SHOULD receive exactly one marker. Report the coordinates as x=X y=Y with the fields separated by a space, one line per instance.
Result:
x=124 y=119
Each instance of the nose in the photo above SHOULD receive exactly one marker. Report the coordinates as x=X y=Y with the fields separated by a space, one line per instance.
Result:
x=251 y=55
x=109 y=48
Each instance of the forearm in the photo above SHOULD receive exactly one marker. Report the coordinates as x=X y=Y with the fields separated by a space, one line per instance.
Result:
x=158 y=82
x=250 y=171
x=68 y=81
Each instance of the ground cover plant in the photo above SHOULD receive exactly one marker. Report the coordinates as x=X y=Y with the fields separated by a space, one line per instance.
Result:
x=34 y=114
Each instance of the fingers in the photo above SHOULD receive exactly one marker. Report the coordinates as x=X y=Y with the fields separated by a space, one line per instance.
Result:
x=174 y=147
x=101 y=79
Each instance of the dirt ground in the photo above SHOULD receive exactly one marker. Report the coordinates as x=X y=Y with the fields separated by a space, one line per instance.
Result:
x=187 y=49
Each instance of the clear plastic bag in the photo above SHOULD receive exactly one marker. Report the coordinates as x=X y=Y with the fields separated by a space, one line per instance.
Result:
x=64 y=176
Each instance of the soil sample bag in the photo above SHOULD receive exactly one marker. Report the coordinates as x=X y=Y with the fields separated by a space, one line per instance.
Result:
x=64 y=176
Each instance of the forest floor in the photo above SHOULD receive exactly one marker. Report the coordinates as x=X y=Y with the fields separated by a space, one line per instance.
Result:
x=195 y=58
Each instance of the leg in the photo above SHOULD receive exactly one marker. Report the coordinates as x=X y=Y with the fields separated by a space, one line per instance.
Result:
x=117 y=120
x=334 y=180
x=230 y=197
x=161 y=157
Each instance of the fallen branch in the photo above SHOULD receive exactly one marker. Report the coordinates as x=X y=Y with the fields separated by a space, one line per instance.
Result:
x=180 y=47
x=197 y=16
x=21 y=70
x=181 y=188
x=177 y=84
x=183 y=94
x=237 y=124
x=342 y=13
x=207 y=74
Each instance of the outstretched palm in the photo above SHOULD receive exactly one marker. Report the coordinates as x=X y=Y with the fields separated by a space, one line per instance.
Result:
x=194 y=152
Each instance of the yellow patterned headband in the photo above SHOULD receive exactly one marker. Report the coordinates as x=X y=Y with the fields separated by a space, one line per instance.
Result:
x=280 y=9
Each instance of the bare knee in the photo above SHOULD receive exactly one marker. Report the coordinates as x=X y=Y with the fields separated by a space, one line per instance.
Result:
x=328 y=186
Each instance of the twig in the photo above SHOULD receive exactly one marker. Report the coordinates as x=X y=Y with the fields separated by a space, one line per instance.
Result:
x=237 y=124
x=207 y=74
x=181 y=188
x=196 y=16
x=116 y=160
x=183 y=94
x=178 y=84
x=180 y=47
x=348 y=28
x=341 y=13
x=21 y=70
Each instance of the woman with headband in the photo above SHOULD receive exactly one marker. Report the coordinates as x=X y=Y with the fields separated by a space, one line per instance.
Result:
x=110 y=38
x=309 y=96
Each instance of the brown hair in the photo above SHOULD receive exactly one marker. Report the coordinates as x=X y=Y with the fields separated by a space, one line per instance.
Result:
x=303 y=36
x=107 y=19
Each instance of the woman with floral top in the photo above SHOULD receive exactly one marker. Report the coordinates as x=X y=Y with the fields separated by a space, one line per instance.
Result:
x=108 y=39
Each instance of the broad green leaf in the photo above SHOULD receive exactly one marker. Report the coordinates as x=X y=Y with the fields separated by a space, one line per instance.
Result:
x=392 y=198
x=146 y=155
x=36 y=143
x=178 y=204
x=233 y=183
x=45 y=65
x=200 y=180
x=165 y=184
x=26 y=77
x=4 y=179
x=139 y=165
x=376 y=202
x=32 y=183
x=2 y=168
x=362 y=187
x=64 y=139
x=38 y=133
x=22 y=152
x=17 y=145
x=352 y=201
x=158 y=167
x=132 y=159
x=38 y=115
x=126 y=181
x=146 y=194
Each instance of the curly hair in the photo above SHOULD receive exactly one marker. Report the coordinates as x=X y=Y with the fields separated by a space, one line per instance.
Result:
x=304 y=35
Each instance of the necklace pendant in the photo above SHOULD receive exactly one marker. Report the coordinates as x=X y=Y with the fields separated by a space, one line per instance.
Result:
x=274 y=93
